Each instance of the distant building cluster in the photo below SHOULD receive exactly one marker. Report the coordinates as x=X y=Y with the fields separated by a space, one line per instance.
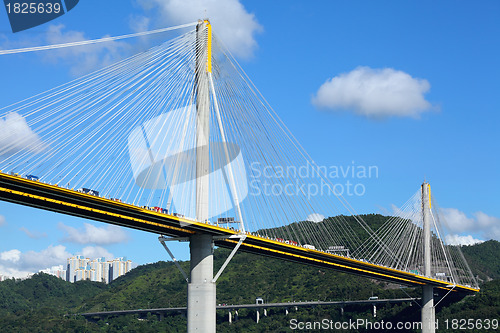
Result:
x=98 y=270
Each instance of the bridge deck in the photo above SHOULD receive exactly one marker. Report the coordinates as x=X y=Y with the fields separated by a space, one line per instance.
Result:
x=67 y=201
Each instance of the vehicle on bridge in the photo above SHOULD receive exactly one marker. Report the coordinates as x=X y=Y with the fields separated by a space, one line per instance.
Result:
x=88 y=191
x=160 y=210
x=32 y=177
x=225 y=220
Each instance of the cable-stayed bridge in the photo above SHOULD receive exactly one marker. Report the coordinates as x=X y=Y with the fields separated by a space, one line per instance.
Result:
x=178 y=141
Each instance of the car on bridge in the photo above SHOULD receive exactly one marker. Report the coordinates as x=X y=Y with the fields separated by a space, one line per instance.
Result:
x=88 y=191
x=160 y=210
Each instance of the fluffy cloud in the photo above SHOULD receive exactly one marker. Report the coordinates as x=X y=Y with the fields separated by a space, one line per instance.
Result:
x=462 y=240
x=2 y=221
x=315 y=217
x=16 y=135
x=456 y=220
x=90 y=234
x=93 y=252
x=14 y=263
x=488 y=227
x=459 y=228
x=53 y=255
x=12 y=255
x=375 y=93
x=231 y=22
x=17 y=264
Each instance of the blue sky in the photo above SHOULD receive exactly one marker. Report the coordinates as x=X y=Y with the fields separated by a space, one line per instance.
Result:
x=445 y=56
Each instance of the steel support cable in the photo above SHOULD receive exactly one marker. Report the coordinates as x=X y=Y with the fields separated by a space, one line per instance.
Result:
x=457 y=258
x=103 y=124
x=268 y=163
x=274 y=118
x=94 y=41
x=72 y=85
x=390 y=231
x=235 y=131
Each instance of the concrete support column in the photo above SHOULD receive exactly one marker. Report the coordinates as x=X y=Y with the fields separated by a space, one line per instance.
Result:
x=428 y=314
x=201 y=290
x=426 y=217
x=257 y=316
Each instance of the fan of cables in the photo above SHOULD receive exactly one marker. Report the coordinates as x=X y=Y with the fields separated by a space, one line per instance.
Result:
x=131 y=132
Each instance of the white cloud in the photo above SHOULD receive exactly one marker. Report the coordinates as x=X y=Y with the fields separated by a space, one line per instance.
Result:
x=456 y=220
x=90 y=234
x=315 y=217
x=53 y=255
x=2 y=221
x=12 y=255
x=11 y=272
x=375 y=93
x=14 y=263
x=234 y=25
x=16 y=135
x=461 y=240
x=487 y=221
x=488 y=227
x=93 y=252
x=33 y=234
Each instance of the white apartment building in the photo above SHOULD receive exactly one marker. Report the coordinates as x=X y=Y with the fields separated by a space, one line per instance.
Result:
x=98 y=270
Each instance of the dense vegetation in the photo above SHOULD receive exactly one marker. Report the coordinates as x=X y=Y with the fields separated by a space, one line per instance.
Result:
x=484 y=259
x=47 y=304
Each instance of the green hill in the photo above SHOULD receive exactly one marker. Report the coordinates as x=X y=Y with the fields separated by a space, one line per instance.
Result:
x=484 y=259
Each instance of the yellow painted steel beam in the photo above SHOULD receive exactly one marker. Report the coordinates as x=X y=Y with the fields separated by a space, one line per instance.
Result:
x=430 y=201
x=99 y=211
x=260 y=244
x=328 y=263
x=209 y=46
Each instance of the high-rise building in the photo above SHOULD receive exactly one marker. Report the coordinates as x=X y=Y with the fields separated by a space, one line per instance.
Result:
x=99 y=267
x=74 y=263
x=119 y=267
x=98 y=270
